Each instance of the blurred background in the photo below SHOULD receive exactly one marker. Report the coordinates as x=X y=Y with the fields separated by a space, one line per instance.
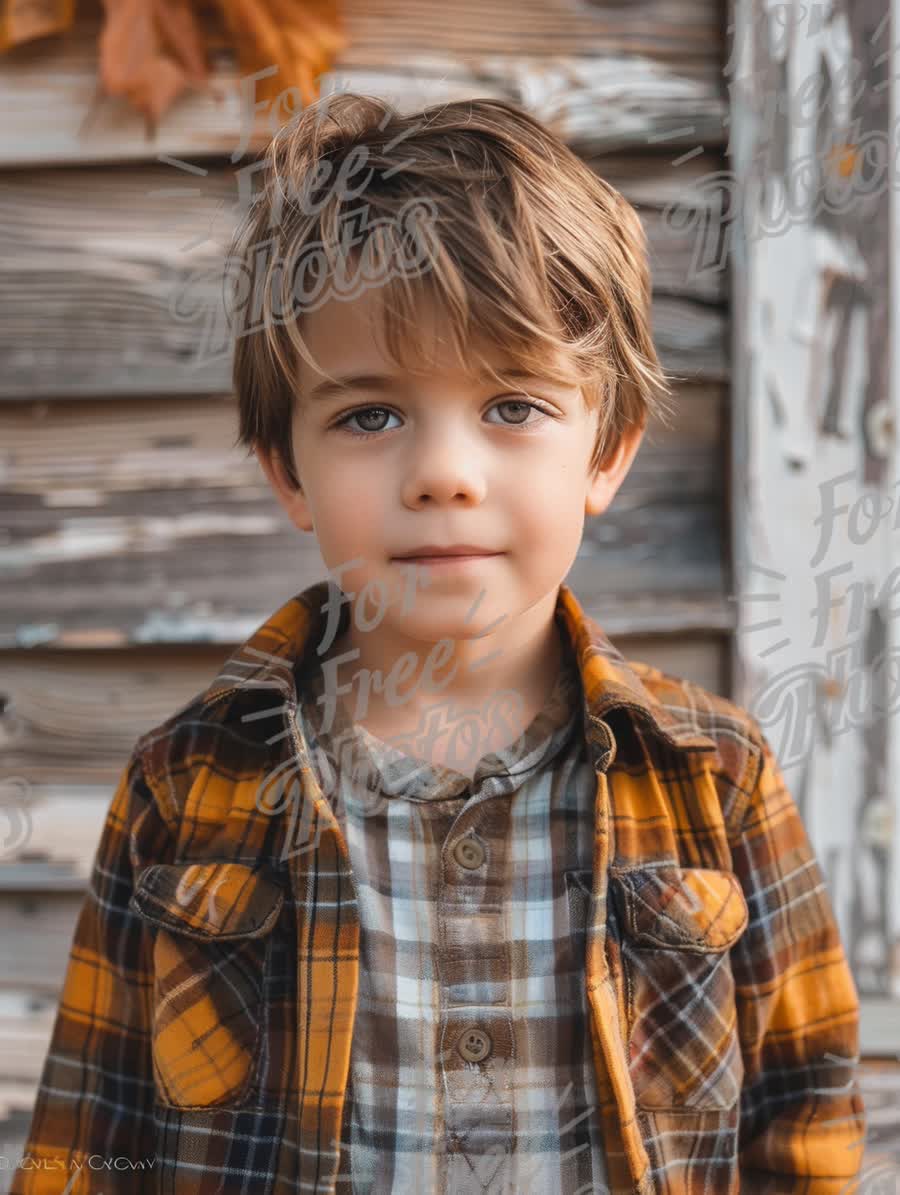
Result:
x=752 y=548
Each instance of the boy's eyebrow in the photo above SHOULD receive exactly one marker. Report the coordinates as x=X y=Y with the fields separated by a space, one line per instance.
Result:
x=354 y=381
x=385 y=382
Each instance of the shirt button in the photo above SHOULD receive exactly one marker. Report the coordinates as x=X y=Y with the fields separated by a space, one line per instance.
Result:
x=469 y=853
x=474 y=1045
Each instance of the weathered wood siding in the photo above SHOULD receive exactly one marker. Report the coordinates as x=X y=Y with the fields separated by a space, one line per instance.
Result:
x=814 y=502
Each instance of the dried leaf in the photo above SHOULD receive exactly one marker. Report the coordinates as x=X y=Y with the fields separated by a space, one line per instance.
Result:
x=150 y=52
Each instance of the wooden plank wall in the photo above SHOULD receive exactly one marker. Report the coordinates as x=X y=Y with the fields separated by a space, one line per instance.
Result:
x=139 y=546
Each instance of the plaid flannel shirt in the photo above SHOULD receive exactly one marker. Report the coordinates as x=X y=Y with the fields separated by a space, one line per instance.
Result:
x=203 y=1038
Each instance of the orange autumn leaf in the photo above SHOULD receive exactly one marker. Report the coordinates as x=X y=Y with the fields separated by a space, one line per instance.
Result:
x=300 y=37
x=150 y=52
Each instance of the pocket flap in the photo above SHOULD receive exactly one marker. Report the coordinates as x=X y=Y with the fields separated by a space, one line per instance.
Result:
x=686 y=908
x=209 y=899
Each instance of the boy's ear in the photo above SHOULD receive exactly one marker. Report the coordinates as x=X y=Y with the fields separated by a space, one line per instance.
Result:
x=291 y=496
x=606 y=480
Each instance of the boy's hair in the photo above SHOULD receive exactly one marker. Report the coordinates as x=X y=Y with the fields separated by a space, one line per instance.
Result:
x=525 y=245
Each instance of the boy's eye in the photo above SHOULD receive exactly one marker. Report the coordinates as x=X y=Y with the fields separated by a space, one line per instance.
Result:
x=371 y=420
x=517 y=410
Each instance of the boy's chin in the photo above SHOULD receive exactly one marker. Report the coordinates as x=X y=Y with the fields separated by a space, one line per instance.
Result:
x=459 y=616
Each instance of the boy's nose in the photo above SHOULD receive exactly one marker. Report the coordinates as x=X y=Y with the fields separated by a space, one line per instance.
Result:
x=443 y=473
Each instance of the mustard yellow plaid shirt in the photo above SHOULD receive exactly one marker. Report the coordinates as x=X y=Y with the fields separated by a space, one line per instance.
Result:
x=203 y=1040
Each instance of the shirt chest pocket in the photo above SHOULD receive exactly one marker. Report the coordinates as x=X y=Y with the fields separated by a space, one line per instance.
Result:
x=212 y=931
x=677 y=925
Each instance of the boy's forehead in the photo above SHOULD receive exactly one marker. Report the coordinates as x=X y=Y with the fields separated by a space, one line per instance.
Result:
x=346 y=339
x=348 y=336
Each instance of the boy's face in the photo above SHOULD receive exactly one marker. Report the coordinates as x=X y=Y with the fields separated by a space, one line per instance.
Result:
x=449 y=460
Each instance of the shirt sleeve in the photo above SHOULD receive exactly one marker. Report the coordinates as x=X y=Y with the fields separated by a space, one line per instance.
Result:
x=96 y=1091
x=802 y=1113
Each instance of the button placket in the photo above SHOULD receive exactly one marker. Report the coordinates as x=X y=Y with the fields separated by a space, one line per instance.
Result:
x=476 y=1037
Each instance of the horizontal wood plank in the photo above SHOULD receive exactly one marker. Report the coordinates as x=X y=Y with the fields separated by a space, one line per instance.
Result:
x=36 y=932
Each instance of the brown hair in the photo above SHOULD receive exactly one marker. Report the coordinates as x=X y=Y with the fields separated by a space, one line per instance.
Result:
x=526 y=246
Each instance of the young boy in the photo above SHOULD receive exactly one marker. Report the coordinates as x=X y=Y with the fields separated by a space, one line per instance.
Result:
x=432 y=890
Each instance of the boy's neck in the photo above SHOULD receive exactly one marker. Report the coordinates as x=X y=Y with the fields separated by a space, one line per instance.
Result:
x=521 y=660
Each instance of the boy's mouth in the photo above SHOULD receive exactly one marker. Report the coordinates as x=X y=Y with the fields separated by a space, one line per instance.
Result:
x=426 y=550
x=455 y=554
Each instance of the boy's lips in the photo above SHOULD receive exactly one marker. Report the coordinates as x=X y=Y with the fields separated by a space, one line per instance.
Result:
x=447 y=561
x=426 y=551
x=447 y=557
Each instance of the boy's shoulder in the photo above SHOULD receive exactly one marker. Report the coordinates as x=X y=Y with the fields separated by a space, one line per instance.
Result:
x=219 y=764
x=697 y=733
x=693 y=713
x=672 y=710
